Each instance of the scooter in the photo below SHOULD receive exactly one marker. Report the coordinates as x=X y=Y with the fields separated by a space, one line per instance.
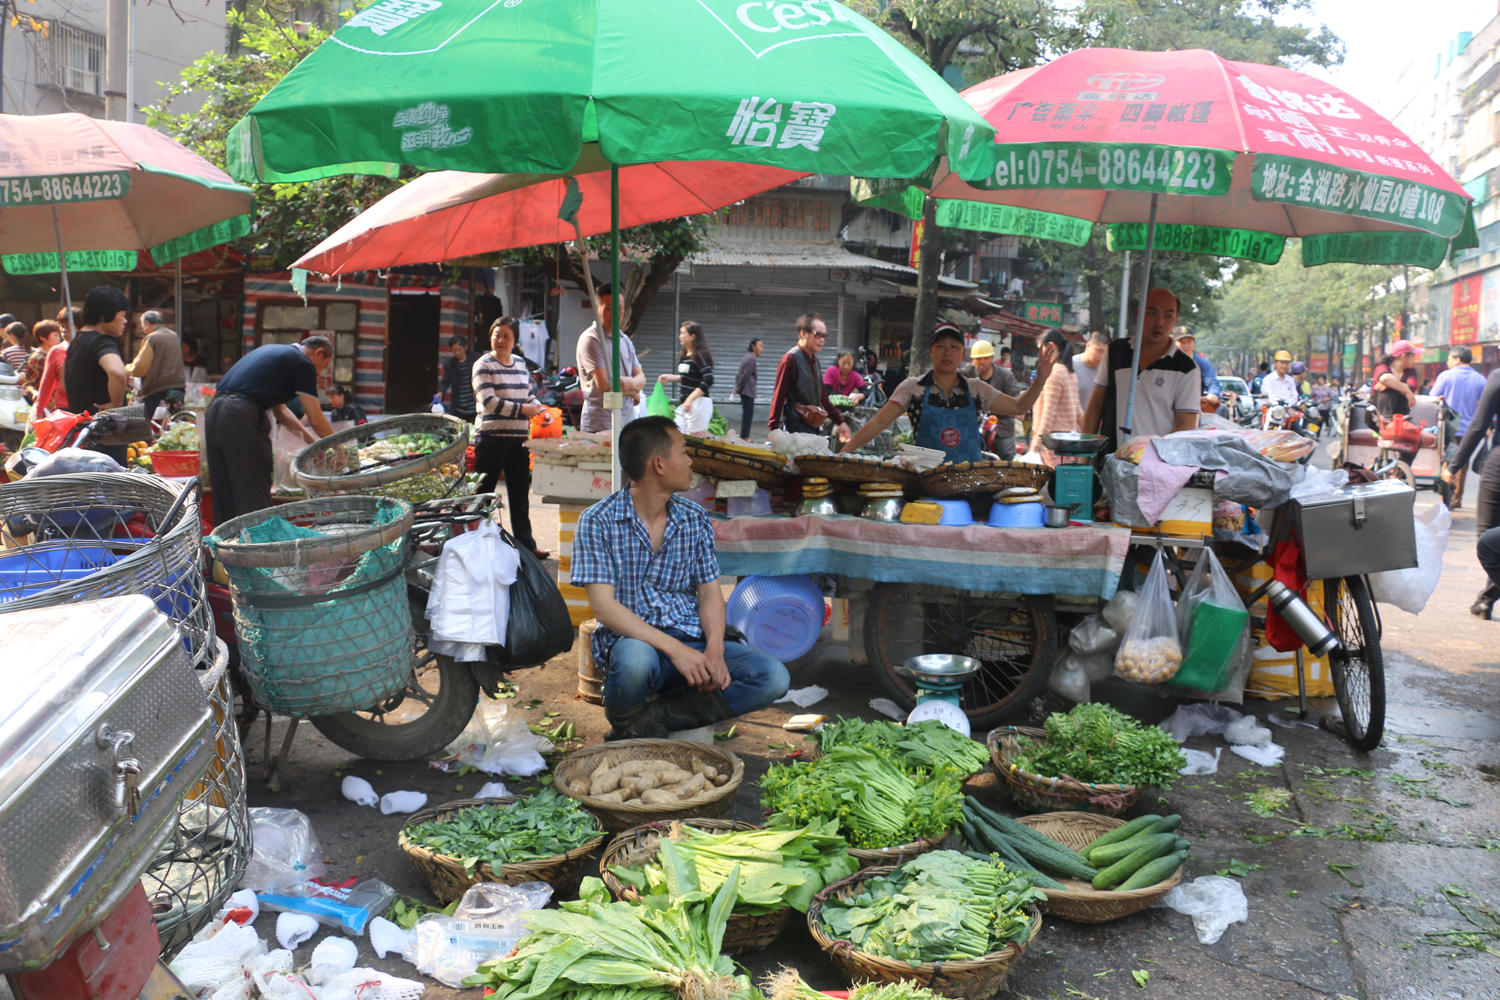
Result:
x=563 y=392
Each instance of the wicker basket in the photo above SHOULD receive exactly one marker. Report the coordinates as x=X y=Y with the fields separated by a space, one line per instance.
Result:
x=981 y=478
x=323 y=467
x=745 y=933
x=896 y=855
x=619 y=816
x=446 y=877
x=1080 y=901
x=718 y=463
x=979 y=979
x=855 y=469
x=1043 y=794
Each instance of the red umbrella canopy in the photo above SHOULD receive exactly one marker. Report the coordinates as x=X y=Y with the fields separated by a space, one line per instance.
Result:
x=1227 y=145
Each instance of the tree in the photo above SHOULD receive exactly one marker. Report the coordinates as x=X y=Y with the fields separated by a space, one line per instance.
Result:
x=1242 y=30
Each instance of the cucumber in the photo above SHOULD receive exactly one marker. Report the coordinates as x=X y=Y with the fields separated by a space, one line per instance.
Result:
x=1181 y=845
x=1167 y=824
x=977 y=835
x=1121 y=870
x=1155 y=871
x=1110 y=853
x=1041 y=851
x=1138 y=825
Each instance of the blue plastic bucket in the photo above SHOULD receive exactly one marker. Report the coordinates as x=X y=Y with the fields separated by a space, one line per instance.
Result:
x=781 y=616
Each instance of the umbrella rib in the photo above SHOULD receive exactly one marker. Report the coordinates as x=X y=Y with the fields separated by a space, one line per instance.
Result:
x=1239 y=123
x=704 y=206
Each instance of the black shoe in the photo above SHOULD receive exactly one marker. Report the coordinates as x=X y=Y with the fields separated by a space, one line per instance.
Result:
x=685 y=708
x=1482 y=609
x=639 y=722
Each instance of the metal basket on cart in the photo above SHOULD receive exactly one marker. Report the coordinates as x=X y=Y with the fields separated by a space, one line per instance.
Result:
x=320 y=606
x=86 y=536
x=416 y=458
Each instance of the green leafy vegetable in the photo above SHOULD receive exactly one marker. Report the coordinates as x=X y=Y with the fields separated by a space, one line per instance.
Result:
x=876 y=803
x=543 y=826
x=940 y=907
x=1097 y=744
x=777 y=867
x=786 y=984
x=405 y=911
x=920 y=746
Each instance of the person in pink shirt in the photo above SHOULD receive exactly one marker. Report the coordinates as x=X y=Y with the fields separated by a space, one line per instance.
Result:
x=843 y=380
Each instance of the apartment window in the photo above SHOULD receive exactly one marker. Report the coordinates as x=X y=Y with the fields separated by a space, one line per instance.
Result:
x=74 y=59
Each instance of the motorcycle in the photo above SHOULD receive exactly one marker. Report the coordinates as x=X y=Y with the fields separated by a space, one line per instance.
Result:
x=563 y=392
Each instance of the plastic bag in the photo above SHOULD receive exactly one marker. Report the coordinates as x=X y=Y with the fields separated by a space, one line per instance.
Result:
x=345 y=907
x=497 y=742
x=548 y=423
x=1198 y=720
x=1150 y=652
x=1119 y=609
x=1198 y=762
x=539 y=626
x=1093 y=635
x=486 y=925
x=1211 y=623
x=1319 y=481
x=1213 y=901
x=68 y=461
x=51 y=429
x=659 y=405
x=1068 y=678
x=1410 y=589
x=286 y=849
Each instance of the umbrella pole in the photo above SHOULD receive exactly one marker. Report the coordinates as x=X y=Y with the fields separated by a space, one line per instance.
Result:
x=1140 y=324
x=177 y=310
x=1124 y=295
x=62 y=263
x=617 y=410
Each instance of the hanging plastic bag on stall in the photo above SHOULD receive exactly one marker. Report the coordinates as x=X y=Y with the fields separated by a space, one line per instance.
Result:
x=540 y=626
x=1211 y=625
x=54 y=427
x=659 y=405
x=1409 y=589
x=1150 y=651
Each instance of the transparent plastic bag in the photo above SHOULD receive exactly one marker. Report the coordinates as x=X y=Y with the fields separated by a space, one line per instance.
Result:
x=1211 y=625
x=1150 y=652
x=1213 y=901
x=1093 y=635
x=1119 y=609
x=1068 y=678
x=346 y=907
x=1410 y=589
x=286 y=850
x=497 y=742
x=485 y=925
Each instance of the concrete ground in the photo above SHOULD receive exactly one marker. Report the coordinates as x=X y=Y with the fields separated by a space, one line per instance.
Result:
x=1345 y=857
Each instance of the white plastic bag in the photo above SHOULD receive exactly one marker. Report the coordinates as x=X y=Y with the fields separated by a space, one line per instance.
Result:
x=1213 y=901
x=1093 y=635
x=486 y=925
x=1198 y=762
x=1319 y=481
x=1068 y=678
x=1409 y=589
x=497 y=742
x=286 y=850
x=1150 y=652
x=1119 y=609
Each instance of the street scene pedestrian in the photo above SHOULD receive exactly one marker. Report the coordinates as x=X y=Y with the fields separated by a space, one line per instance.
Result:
x=457 y=381
x=596 y=368
x=502 y=392
x=694 y=378
x=983 y=367
x=159 y=363
x=747 y=383
x=799 y=399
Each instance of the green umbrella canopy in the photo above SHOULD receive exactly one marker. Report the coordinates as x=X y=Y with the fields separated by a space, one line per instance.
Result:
x=520 y=85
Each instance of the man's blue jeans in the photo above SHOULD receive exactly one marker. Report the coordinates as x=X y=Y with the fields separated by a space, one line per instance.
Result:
x=637 y=671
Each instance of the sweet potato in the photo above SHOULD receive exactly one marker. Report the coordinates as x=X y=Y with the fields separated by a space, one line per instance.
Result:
x=689 y=788
x=670 y=775
x=658 y=797
x=610 y=780
x=637 y=783
x=721 y=781
x=615 y=796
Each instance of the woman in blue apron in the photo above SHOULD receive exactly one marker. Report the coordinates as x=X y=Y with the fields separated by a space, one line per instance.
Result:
x=945 y=409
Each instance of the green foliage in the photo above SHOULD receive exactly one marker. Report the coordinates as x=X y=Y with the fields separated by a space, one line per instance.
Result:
x=1096 y=743
x=919 y=746
x=1242 y=30
x=545 y=825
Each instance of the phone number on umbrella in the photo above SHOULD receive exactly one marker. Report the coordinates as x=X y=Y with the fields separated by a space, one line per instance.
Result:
x=63 y=189
x=1114 y=167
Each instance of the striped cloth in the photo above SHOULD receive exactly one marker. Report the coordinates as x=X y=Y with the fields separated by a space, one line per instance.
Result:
x=500 y=390
x=15 y=356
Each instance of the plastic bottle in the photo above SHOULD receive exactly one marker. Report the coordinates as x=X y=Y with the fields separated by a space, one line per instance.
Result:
x=437 y=403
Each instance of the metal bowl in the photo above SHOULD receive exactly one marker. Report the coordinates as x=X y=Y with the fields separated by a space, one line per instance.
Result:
x=941 y=668
x=1075 y=443
x=822 y=505
x=884 y=509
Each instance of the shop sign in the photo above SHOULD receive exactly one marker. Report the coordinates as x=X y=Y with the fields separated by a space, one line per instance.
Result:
x=1467 y=295
x=78 y=260
x=1045 y=313
x=1318 y=363
x=914 y=258
x=1489 y=312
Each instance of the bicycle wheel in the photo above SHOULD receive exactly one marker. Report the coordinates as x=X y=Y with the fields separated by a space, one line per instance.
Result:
x=1358 y=667
x=1014 y=636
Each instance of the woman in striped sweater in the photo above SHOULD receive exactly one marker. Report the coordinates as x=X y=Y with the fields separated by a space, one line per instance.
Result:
x=502 y=391
x=695 y=376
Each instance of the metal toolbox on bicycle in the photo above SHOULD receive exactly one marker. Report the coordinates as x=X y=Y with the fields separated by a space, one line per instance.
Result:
x=103 y=729
x=1354 y=530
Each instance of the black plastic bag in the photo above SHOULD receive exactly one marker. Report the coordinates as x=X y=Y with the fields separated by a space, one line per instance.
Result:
x=539 y=627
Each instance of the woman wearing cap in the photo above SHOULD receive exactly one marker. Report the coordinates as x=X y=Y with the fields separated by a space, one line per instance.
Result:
x=945 y=408
x=1394 y=385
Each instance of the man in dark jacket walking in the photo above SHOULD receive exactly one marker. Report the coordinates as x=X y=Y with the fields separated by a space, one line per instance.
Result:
x=746 y=381
x=799 y=384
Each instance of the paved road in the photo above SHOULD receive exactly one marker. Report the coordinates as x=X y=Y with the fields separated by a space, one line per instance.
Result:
x=1413 y=817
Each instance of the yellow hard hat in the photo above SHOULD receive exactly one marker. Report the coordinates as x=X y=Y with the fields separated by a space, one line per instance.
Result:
x=982 y=349
x=1283 y=356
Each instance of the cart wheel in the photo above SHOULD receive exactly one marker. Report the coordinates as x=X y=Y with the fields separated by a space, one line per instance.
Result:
x=1014 y=636
x=1401 y=470
x=1358 y=667
x=419 y=720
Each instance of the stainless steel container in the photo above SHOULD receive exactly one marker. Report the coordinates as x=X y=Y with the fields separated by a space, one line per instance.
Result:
x=1355 y=530
x=104 y=728
x=883 y=509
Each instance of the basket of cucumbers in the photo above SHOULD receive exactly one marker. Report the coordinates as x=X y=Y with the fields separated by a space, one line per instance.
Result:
x=1092 y=868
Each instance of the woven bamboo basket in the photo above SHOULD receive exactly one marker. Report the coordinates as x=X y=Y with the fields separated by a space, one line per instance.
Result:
x=855 y=469
x=896 y=855
x=980 y=478
x=1042 y=794
x=1080 y=901
x=446 y=877
x=717 y=803
x=716 y=463
x=746 y=932
x=979 y=979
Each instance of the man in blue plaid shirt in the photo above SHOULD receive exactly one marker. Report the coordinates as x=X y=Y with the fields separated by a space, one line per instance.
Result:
x=646 y=559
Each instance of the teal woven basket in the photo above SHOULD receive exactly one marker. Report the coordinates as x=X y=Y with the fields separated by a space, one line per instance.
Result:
x=320 y=607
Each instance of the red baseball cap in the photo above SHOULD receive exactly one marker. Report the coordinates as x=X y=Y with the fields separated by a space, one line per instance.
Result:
x=1401 y=347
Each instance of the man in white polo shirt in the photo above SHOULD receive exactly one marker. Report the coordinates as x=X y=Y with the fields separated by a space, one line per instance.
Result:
x=1168 y=386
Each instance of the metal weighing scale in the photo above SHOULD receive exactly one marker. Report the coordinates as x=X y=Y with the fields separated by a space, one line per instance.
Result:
x=938 y=678
x=1073 y=479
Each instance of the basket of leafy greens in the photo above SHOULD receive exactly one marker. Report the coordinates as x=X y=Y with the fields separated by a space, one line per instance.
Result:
x=1092 y=759
x=919 y=746
x=543 y=838
x=953 y=923
x=780 y=870
x=787 y=984
x=886 y=813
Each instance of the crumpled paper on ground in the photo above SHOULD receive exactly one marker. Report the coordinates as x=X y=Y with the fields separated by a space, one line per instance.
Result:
x=803 y=697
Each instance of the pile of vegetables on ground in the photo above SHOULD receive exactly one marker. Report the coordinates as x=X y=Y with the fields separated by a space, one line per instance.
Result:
x=592 y=949
x=876 y=802
x=650 y=782
x=919 y=746
x=1097 y=744
x=789 y=985
x=939 y=907
x=778 y=868
x=543 y=826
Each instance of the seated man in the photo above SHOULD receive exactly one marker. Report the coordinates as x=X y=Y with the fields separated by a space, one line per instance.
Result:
x=646 y=559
